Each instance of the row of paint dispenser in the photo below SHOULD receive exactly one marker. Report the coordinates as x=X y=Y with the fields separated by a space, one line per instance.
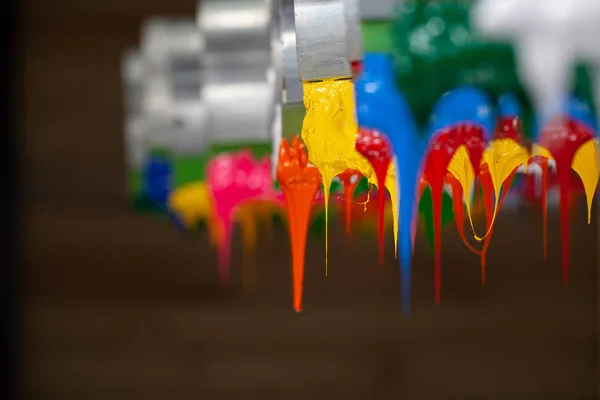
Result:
x=225 y=80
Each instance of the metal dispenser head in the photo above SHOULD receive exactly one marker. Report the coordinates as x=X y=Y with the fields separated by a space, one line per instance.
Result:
x=241 y=81
x=162 y=81
x=322 y=39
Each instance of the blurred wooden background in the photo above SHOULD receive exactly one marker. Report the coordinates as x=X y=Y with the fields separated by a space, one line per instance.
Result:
x=119 y=306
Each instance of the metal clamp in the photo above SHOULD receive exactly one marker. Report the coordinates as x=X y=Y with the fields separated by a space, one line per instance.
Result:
x=224 y=76
x=241 y=78
x=353 y=30
x=322 y=39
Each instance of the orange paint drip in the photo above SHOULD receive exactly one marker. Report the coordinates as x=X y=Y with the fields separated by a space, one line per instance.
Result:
x=570 y=143
x=376 y=148
x=299 y=182
x=350 y=180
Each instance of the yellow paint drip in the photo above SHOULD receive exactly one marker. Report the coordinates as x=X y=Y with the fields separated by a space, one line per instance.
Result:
x=586 y=164
x=329 y=132
x=541 y=151
x=192 y=204
x=460 y=167
x=502 y=156
x=392 y=186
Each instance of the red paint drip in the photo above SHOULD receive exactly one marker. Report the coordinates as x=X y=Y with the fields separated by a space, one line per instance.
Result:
x=562 y=137
x=544 y=194
x=224 y=252
x=356 y=67
x=376 y=148
x=422 y=186
x=440 y=153
x=488 y=198
x=459 y=210
x=350 y=179
x=507 y=128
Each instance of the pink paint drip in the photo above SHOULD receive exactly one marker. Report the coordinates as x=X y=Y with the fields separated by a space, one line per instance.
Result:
x=235 y=179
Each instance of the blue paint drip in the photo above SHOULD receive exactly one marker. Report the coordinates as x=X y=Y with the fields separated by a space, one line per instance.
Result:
x=157 y=180
x=463 y=104
x=581 y=111
x=381 y=106
x=509 y=106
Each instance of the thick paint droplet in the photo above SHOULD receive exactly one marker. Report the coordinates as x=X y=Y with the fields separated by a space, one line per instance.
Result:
x=376 y=148
x=585 y=163
x=381 y=106
x=299 y=182
x=330 y=132
x=235 y=179
x=436 y=166
x=442 y=150
x=495 y=183
x=562 y=139
x=502 y=157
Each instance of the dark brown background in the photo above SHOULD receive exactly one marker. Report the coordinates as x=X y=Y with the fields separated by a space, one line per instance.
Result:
x=119 y=306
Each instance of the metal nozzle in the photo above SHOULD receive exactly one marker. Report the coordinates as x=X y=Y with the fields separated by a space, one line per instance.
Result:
x=322 y=39
x=354 y=34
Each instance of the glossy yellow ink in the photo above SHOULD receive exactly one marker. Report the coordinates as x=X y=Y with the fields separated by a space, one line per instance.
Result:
x=192 y=204
x=392 y=186
x=541 y=151
x=585 y=163
x=329 y=132
x=502 y=157
x=460 y=167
